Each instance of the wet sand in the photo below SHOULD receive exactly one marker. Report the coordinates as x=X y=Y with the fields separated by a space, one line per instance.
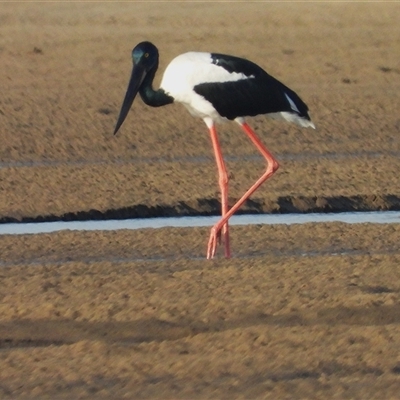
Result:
x=298 y=312
x=308 y=311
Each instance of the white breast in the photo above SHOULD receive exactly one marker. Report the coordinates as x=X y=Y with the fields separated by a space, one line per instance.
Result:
x=191 y=69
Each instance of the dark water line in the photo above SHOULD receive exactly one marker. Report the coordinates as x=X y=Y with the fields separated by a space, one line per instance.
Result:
x=195 y=160
x=377 y=217
x=190 y=257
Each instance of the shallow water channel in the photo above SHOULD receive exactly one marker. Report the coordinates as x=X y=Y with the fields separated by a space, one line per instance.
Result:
x=377 y=217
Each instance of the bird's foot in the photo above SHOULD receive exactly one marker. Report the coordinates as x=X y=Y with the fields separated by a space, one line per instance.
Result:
x=212 y=242
x=218 y=231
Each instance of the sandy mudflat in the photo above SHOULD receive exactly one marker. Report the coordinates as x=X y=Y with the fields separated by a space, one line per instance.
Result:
x=299 y=312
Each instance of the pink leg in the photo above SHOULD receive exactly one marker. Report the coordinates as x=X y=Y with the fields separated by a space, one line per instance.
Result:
x=272 y=166
x=223 y=184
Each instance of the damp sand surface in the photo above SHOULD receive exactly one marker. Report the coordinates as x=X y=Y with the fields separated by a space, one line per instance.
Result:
x=299 y=311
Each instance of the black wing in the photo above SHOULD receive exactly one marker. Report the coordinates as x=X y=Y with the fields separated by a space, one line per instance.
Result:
x=260 y=93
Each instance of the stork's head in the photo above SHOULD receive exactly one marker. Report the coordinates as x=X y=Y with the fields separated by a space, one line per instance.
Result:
x=145 y=60
x=145 y=54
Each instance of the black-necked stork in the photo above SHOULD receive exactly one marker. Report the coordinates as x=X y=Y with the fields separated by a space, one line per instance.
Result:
x=216 y=87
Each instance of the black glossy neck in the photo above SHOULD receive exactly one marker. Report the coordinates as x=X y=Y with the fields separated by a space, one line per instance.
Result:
x=151 y=97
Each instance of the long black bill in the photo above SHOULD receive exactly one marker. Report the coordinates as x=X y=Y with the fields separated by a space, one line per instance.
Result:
x=138 y=74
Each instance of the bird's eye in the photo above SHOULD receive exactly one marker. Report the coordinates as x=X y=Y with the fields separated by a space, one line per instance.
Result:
x=146 y=55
